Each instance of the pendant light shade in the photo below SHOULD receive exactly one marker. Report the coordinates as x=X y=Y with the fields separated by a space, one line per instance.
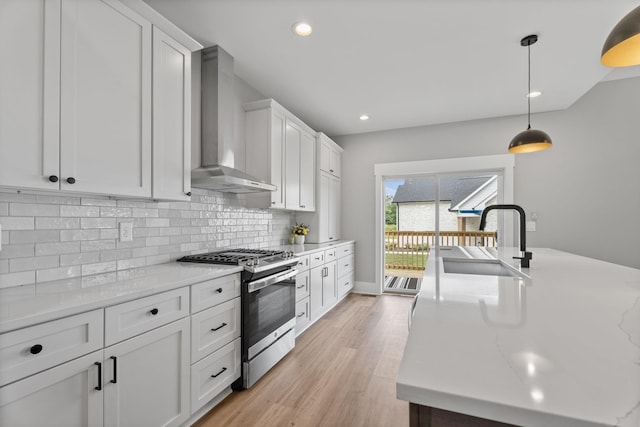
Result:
x=529 y=140
x=622 y=47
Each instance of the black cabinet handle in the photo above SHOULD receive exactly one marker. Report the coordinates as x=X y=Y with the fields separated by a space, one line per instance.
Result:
x=301 y=314
x=189 y=193
x=99 y=365
x=219 y=290
x=219 y=327
x=53 y=178
x=35 y=349
x=115 y=369
x=219 y=373
x=300 y=287
x=71 y=180
x=302 y=206
x=154 y=311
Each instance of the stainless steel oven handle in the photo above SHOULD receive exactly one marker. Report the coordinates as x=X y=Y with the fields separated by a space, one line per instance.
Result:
x=270 y=280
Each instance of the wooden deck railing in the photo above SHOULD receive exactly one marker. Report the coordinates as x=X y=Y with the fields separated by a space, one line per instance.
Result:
x=408 y=250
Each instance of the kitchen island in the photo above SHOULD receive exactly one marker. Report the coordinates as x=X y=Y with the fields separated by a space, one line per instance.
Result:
x=557 y=344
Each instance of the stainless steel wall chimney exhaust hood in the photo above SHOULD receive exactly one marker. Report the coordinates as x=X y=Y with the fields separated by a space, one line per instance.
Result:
x=218 y=145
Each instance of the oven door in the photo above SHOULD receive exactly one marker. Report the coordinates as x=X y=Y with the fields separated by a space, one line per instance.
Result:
x=270 y=304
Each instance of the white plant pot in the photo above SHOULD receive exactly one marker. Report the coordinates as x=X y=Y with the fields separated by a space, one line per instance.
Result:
x=298 y=240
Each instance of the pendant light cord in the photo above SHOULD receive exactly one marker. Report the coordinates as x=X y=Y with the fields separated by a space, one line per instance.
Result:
x=529 y=91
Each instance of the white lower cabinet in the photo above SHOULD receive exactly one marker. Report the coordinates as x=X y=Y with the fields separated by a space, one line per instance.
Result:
x=146 y=378
x=64 y=396
x=214 y=374
x=323 y=289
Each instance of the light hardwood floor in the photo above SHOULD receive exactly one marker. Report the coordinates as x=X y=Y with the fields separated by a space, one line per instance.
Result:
x=342 y=372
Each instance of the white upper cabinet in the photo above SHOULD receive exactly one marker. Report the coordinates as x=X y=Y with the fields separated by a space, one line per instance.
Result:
x=171 y=118
x=330 y=155
x=281 y=150
x=299 y=168
x=29 y=104
x=76 y=106
x=105 y=104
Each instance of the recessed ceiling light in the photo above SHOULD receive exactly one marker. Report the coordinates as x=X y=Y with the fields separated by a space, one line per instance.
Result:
x=534 y=94
x=302 y=29
x=364 y=117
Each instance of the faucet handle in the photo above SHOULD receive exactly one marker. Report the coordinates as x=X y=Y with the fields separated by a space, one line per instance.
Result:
x=524 y=260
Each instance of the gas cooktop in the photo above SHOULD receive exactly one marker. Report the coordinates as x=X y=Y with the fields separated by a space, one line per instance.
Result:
x=253 y=260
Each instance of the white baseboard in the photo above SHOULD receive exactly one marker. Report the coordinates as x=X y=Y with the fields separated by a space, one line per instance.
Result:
x=367 y=288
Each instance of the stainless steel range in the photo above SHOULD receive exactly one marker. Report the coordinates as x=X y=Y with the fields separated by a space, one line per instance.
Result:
x=268 y=306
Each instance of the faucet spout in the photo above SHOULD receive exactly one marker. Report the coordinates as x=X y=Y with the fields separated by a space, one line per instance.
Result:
x=526 y=256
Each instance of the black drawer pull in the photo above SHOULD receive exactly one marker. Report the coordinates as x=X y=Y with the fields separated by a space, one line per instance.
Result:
x=301 y=314
x=71 y=180
x=219 y=327
x=219 y=373
x=154 y=311
x=115 y=369
x=99 y=386
x=53 y=178
x=219 y=290
x=35 y=349
x=300 y=287
x=189 y=193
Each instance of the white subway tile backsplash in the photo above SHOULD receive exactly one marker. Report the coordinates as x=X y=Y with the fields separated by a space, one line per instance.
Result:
x=115 y=212
x=72 y=235
x=57 y=223
x=33 y=263
x=116 y=254
x=100 y=267
x=33 y=236
x=157 y=222
x=57 y=200
x=81 y=258
x=49 y=237
x=97 y=245
x=125 y=264
x=17 y=279
x=87 y=201
x=10 y=251
x=57 y=248
x=97 y=222
x=58 y=273
x=144 y=212
x=17 y=223
x=32 y=209
x=80 y=211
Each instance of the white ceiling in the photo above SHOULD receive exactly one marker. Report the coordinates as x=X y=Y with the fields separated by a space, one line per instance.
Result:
x=408 y=62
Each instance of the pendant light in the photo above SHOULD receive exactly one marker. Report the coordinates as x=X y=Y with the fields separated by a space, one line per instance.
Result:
x=531 y=139
x=622 y=47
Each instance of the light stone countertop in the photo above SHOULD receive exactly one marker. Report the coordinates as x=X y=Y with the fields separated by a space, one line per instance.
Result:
x=28 y=305
x=560 y=347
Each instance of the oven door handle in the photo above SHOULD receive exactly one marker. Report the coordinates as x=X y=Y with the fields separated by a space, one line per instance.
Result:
x=270 y=280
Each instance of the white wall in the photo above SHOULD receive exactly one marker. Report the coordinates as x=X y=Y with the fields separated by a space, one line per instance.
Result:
x=585 y=190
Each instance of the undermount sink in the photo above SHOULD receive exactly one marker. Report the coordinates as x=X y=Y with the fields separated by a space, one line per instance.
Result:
x=484 y=267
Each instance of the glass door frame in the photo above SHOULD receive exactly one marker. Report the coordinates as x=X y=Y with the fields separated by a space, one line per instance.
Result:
x=501 y=164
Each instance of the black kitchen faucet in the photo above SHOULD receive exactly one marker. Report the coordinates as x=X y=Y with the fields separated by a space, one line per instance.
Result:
x=526 y=256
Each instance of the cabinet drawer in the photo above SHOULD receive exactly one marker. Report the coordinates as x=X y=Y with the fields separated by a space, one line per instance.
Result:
x=36 y=348
x=345 y=250
x=302 y=285
x=135 y=317
x=214 y=373
x=214 y=327
x=345 y=265
x=345 y=284
x=330 y=255
x=213 y=292
x=316 y=259
x=303 y=317
x=303 y=262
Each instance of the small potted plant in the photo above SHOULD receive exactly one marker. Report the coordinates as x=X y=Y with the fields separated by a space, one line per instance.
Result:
x=299 y=231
